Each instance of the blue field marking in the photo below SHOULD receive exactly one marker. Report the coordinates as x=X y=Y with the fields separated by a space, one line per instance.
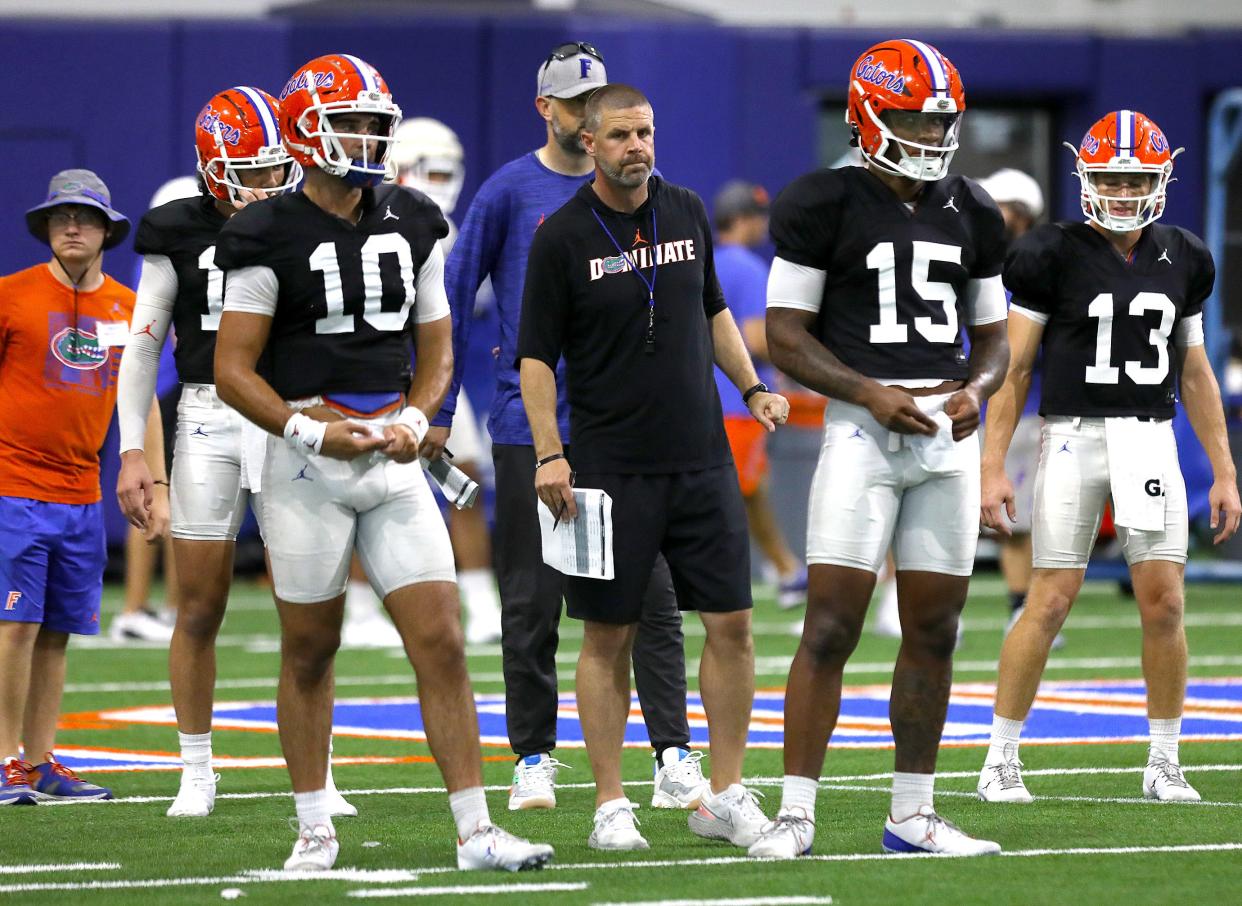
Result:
x=1067 y=712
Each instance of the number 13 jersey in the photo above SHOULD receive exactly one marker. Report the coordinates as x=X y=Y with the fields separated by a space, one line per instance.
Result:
x=895 y=293
x=345 y=293
x=1108 y=321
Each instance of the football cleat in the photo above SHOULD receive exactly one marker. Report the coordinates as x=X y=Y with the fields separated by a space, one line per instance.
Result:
x=534 y=782
x=315 y=850
x=197 y=795
x=733 y=815
x=616 y=828
x=372 y=630
x=679 y=780
x=53 y=782
x=139 y=626
x=791 y=592
x=1164 y=781
x=927 y=832
x=490 y=848
x=15 y=783
x=789 y=835
x=1001 y=781
x=1058 y=640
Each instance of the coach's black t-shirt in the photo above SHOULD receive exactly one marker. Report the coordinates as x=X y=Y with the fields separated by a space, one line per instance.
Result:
x=634 y=406
x=186 y=230
x=1109 y=323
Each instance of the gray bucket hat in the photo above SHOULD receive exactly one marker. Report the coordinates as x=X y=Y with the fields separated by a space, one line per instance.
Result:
x=78 y=187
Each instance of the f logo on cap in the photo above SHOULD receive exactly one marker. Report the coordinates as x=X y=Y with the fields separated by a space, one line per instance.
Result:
x=584 y=66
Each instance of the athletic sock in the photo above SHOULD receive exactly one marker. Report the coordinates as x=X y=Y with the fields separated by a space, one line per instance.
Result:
x=329 y=785
x=799 y=792
x=469 y=808
x=478 y=592
x=910 y=793
x=195 y=750
x=313 y=810
x=1017 y=600
x=1164 y=737
x=1004 y=743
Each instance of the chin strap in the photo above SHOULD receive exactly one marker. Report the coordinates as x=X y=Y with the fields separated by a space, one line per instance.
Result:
x=76 y=283
x=373 y=177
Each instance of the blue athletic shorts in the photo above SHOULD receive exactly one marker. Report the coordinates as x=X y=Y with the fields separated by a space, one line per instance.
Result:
x=52 y=558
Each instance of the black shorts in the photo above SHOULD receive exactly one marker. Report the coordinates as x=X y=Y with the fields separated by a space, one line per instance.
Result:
x=696 y=519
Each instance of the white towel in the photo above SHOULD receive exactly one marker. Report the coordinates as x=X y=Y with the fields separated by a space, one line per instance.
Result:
x=1137 y=465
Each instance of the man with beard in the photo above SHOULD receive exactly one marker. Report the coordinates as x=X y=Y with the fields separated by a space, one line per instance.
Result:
x=622 y=281
x=494 y=240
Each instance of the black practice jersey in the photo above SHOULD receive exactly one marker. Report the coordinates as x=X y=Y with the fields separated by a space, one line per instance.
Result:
x=346 y=290
x=1109 y=322
x=640 y=381
x=894 y=301
x=185 y=231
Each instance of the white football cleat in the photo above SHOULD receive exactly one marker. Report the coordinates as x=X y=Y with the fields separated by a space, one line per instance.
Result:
x=534 y=782
x=315 y=850
x=789 y=835
x=1001 y=781
x=617 y=829
x=732 y=815
x=679 y=780
x=490 y=848
x=370 y=630
x=927 y=832
x=1164 y=781
x=197 y=795
x=139 y=626
x=338 y=807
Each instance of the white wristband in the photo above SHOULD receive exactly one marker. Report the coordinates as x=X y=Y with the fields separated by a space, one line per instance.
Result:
x=412 y=417
x=304 y=433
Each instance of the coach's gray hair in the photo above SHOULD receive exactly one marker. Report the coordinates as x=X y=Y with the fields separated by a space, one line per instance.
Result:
x=615 y=96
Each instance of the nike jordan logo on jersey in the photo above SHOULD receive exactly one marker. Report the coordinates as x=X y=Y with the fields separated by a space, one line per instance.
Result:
x=302 y=474
x=638 y=238
x=199 y=432
x=951 y=204
x=664 y=253
x=1164 y=256
x=147 y=331
x=1065 y=448
x=388 y=214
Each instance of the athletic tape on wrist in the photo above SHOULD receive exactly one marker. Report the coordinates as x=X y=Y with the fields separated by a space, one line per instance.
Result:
x=412 y=417
x=304 y=433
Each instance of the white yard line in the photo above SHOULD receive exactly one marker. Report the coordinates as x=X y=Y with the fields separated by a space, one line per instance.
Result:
x=360 y=875
x=469 y=890
x=742 y=901
x=960 y=794
x=51 y=867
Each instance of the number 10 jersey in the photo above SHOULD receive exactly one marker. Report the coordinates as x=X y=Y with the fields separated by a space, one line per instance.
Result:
x=897 y=275
x=1108 y=321
x=346 y=291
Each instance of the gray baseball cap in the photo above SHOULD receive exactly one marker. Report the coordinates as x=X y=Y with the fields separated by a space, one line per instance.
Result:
x=78 y=187
x=570 y=70
x=737 y=199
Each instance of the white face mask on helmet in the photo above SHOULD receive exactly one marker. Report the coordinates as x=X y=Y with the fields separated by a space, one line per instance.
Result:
x=427 y=155
x=1124 y=142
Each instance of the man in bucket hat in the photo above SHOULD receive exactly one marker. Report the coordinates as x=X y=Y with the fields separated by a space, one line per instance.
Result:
x=62 y=326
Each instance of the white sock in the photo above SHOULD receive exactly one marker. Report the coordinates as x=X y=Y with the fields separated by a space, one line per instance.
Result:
x=1164 y=737
x=910 y=793
x=329 y=785
x=1004 y=744
x=469 y=810
x=799 y=792
x=478 y=592
x=313 y=809
x=195 y=750
x=360 y=601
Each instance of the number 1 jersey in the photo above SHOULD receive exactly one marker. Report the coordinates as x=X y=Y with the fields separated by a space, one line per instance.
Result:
x=343 y=308
x=1108 y=321
x=897 y=275
x=185 y=231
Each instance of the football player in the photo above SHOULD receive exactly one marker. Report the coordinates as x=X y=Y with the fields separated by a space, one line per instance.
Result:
x=332 y=280
x=877 y=270
x=240 y=159
x=1106 y=300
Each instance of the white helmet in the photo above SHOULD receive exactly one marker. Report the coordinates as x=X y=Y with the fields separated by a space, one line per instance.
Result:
x=1010 y=186
x=427 y=155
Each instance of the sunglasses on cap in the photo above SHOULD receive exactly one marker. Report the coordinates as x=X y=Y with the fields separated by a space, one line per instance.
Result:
x=572 y=49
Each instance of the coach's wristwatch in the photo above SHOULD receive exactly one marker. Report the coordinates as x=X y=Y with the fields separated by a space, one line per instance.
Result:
x=761 y=387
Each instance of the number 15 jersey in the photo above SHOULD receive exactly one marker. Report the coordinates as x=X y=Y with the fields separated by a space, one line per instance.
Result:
x=897 y=276
x=343 y=294
x=1108 y=321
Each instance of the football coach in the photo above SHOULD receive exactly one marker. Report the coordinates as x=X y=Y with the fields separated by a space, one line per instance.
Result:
x=621 y=282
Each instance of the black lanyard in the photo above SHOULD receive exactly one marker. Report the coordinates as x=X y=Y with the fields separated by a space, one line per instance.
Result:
x=649 y=284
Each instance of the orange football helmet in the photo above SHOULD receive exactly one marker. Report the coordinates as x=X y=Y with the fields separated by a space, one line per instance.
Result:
x=1124 y=141
x=900 y=78
x=239 y=130
x=331 y=84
